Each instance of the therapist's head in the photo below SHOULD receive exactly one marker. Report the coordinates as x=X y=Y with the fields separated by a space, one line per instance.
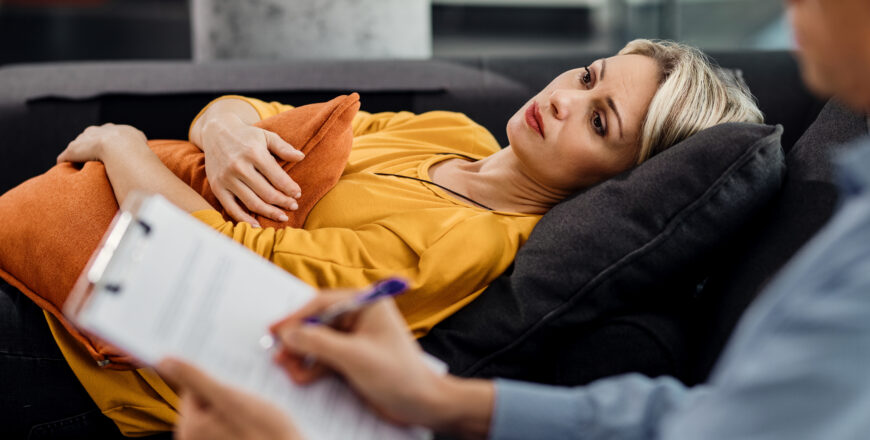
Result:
x=833 y=39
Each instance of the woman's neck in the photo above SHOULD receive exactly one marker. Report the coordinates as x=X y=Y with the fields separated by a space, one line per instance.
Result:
x=498 y=181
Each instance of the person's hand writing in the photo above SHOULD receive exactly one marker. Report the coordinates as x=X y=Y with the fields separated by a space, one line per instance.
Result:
x=374 y=351
x=91 y=143
x=239 y=164
x=213 y=411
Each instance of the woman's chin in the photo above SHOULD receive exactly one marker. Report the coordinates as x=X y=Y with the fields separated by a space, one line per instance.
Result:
x=515 y=127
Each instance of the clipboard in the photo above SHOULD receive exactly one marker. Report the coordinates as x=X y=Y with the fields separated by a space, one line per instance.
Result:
x=162 y=283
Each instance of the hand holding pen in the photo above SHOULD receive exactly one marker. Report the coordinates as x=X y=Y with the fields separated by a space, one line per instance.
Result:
x=383 y=289
x=376 y=354
x=335 y=310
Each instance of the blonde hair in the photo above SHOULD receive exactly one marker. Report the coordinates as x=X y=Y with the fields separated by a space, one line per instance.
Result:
x=693 y=94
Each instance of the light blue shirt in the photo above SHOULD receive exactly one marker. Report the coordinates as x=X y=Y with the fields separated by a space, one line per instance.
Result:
x=796 y=367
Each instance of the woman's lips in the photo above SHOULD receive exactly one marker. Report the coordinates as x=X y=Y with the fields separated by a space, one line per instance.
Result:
x=533 y=119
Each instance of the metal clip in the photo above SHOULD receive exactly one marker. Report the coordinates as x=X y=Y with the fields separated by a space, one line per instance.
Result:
x=101 y=261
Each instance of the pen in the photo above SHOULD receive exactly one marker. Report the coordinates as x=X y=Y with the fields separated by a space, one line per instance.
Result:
x=382 y=289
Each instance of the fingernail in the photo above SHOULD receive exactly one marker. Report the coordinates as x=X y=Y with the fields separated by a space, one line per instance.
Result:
x=294 y=206
x=297 y=194
x=301 y=154
x=283 y=217
x=255 y=224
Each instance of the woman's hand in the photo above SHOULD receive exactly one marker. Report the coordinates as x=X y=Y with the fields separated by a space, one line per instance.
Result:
x=376 y=354
x=239 y=163
x=210 y=410
x=92 y=143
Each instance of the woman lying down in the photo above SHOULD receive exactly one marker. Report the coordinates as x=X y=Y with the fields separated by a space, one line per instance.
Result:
x=431 y=197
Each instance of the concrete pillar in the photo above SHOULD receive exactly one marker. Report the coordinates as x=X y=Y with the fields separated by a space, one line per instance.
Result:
x=296 y=29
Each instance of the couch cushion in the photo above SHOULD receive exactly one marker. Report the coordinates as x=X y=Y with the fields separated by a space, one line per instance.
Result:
x=601 y=284
x=806 y=202
x=54 y=222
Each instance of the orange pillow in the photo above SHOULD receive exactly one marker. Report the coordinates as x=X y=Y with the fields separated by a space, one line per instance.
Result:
x=52 y=223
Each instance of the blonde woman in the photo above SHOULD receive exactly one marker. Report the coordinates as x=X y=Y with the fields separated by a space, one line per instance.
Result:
x=430 y=197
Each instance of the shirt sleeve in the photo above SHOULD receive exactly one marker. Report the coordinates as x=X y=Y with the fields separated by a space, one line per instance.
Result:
x=363 y=122
x=263 y=108
x=441 y=279
x=622 y=407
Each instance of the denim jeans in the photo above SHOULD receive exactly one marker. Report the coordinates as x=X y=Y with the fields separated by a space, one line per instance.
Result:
x=40 y=396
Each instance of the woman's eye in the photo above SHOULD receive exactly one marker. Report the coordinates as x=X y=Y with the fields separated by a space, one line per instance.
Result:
x=586 y=77
x=598 y=124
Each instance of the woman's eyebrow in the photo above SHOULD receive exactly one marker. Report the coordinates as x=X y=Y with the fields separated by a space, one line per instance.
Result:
x=609 y=100
x=618 y=118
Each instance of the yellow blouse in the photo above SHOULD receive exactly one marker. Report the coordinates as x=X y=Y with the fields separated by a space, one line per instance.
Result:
x=366 y=228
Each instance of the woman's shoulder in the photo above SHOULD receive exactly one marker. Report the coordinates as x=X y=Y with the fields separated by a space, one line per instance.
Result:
x=437 y=131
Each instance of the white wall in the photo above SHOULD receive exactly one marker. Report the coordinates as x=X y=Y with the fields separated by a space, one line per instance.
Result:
x=288 y=29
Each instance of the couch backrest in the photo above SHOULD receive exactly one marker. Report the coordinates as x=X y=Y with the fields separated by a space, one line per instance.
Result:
x=44 y=106
x=805 y=203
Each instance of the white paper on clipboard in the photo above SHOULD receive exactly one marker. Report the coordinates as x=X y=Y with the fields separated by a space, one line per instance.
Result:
x=165 y=284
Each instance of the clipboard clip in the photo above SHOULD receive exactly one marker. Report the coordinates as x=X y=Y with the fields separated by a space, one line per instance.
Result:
x=96 y=268
x=110 y=245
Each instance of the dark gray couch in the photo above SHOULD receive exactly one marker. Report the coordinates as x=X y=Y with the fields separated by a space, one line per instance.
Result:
x=42 y=107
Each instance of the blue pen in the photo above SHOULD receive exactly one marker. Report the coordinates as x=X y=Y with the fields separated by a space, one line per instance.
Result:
x=386 y=288
x=382 y=289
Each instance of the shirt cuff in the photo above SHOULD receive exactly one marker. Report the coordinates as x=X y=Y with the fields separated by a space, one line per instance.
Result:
x=221 y=98
x=524 y=410
x=209 y=217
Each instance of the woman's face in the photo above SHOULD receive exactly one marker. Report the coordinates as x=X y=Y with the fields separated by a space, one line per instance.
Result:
x=584 y=127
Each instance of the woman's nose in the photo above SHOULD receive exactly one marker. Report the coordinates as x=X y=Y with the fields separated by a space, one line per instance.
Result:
x=563 y=100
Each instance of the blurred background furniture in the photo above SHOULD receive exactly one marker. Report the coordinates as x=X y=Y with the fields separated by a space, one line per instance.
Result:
x=62 y=30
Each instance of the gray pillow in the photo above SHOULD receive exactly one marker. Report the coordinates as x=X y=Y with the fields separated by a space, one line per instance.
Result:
x=601 y=285
x=805 y=203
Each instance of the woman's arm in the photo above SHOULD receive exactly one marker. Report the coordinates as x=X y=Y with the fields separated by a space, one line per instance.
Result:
x=131 y=165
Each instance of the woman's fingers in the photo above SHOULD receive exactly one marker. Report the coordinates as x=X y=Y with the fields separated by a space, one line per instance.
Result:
x=279 y=147
x=254 y=203
x=268 y=166
x=279 y=185
x=90 y=144
x=239 y=159
x=266 y=199
x=256 y=181
x=228 y=201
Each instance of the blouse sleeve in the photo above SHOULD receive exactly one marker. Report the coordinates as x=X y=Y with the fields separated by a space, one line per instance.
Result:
x=363 y=122
x=263 y=108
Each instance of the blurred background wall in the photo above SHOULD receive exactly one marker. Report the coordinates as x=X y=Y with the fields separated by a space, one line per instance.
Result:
x=58 y=30
x=286 y=29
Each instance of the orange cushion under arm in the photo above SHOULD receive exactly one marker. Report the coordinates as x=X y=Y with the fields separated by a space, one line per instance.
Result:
x=52 y=223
